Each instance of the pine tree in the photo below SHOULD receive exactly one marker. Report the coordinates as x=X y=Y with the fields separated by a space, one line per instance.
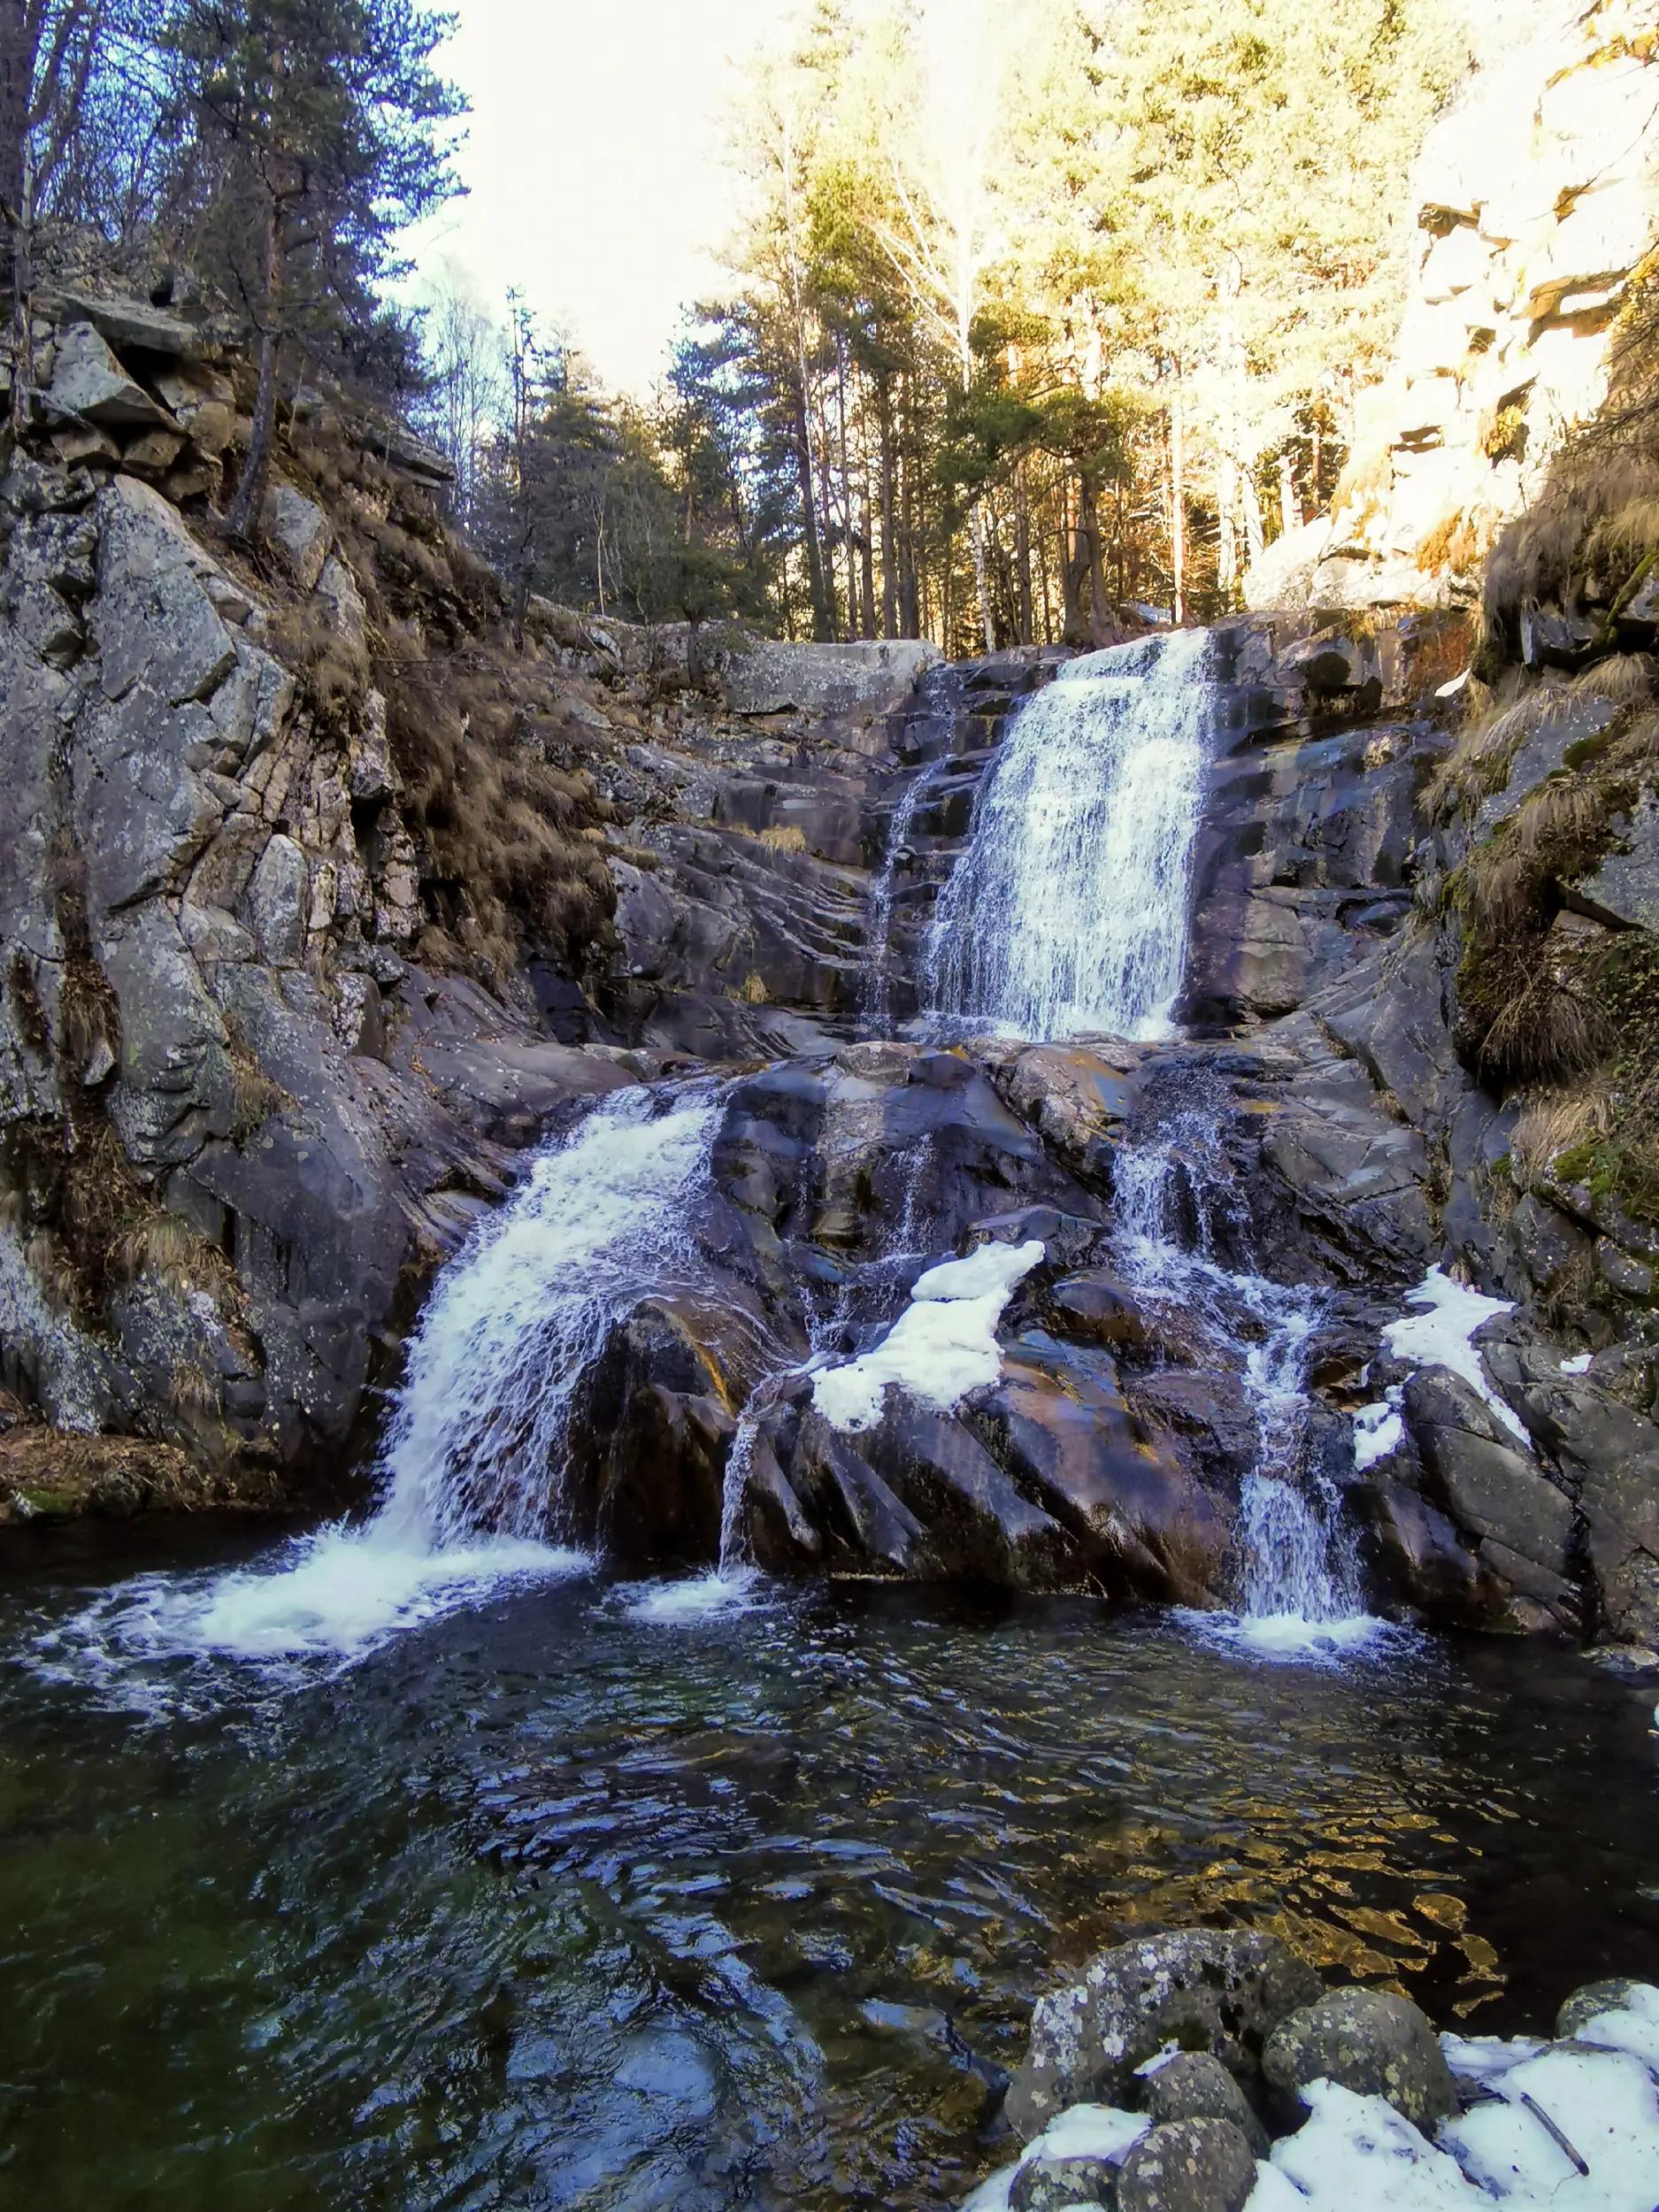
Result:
x=317 y=132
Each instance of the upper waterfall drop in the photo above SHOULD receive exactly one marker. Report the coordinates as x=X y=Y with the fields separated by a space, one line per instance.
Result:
x=1067 y=915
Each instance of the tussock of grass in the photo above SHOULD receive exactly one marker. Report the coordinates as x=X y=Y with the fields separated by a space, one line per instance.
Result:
x=785 y=837
x=1594 y=530
x=160 y=1245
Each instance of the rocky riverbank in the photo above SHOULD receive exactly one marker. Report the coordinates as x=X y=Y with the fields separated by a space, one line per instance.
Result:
x=1210 y=2071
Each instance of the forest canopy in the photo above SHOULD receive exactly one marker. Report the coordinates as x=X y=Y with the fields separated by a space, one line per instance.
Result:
x=1032 y=308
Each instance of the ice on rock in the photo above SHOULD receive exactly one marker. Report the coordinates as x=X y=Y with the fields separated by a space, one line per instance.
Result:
x=1377 y=1431
x=943 y=1346
x=1440 y=1336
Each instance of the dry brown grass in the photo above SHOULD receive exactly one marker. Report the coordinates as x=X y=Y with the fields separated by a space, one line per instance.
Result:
x=784 y=837
x=1480 y=763
x=30 y=1015
x=1594 y=529
x=160 y=1245
x=1552 y=1122
x=1626 y=679
x=1458 y=544
x=509 y=868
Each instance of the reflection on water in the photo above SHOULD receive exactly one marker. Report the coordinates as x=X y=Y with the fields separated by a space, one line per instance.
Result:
x=548 y=1905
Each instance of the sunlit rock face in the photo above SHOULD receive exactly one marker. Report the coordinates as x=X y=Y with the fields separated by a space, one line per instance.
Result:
x=1535 y=200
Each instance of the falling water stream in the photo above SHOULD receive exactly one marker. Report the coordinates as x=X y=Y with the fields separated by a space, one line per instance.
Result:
x=1067 y=914
x=1298 y=1575
x=471 y=1469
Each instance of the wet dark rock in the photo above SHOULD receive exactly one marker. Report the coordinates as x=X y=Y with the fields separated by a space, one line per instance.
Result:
x=1420 y=1562
x=1367 y=2041
x=1490 y=1487
x=1193 y=2165
x=1221 y=1990
x=1193 y=2086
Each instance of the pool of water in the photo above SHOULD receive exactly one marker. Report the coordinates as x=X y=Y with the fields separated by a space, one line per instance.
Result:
x=545 y=1903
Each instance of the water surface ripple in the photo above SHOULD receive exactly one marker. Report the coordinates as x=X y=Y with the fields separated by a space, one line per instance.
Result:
x=544 y=1905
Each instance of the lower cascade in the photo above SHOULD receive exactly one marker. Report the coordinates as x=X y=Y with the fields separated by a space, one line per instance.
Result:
x=1068 y=913
x=473 y=1458
x=1297 y=1571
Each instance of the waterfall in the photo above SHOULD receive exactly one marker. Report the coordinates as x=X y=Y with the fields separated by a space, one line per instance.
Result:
x=1067 y=915
x=477 y=1438
x=1175 y=1202
x=472 y=1465
x=875 y=1013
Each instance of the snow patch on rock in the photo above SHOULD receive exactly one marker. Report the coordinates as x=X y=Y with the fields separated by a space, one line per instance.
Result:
x=943 y=1346
x=1441 y=1336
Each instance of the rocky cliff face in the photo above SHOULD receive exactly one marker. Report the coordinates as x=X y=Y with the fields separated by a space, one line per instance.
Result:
x=316 y=899
x=251 y=1081
x=1537 y=199
x=321 y=904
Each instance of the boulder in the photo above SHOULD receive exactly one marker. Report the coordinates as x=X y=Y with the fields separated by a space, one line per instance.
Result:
x=1485 y=1484
x=298 y=532
x=1367 y=2041
x=277 y=902
x=1219 y=1990
x=1198 y=2165
x=864 y=678
x=1624 y=888
x=125 y=323
x=1193 y=2086
x=1592 y=1999
x=1046 y=2183
x=88 y=380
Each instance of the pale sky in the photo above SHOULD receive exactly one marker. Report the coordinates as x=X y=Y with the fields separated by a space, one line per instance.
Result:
x=593 y=165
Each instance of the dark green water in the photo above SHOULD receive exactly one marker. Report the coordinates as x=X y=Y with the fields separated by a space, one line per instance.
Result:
x=539 y=1906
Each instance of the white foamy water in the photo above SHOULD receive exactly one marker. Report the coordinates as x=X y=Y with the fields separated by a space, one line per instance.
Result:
x=875 y=1011
x=1298 y=1584
x=472 y=1467
x=1067 y=915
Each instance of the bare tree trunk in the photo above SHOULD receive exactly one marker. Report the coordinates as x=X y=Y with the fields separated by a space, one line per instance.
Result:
x=1022 y=553
x=1074 y=629
x=1227 y=542
x=1178 y=498
x=246 y=506
x=1042 y=580
x=1255 y=530
x=1089 y=503
x=1289 y=502
x=849 y=533
x=823 y=628
x=889 y=551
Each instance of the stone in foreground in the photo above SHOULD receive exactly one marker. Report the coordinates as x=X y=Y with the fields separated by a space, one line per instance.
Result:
x=1193 y=2085
x=1202 y=2165
x=1366 y=2040
x=1219 y=1990
x=1049 y=2184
